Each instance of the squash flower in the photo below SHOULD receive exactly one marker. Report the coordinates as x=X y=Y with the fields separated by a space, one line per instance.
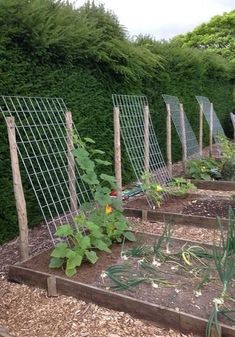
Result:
x=108 y=209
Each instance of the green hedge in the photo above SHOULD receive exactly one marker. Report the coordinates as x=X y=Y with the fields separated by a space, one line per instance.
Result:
x=85 y=63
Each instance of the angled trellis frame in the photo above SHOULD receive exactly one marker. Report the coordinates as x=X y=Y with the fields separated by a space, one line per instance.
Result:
x=44 y=141
x=215 y=127
x=133 y=121
x=175 y=112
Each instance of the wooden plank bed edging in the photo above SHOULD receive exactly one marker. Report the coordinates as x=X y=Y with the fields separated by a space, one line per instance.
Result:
x=175 y=218
x=217 y=185
x=165 y=317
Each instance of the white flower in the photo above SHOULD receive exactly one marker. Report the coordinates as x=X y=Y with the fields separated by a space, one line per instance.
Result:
x=154 y=285
x=177 y=290
x=156 y=263
x=197 y=293
x=174 y=267
x=124 y=257
x=103 y=274
x=218 y=301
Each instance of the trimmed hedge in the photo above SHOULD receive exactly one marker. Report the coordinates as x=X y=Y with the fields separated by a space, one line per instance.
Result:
x=35 y=61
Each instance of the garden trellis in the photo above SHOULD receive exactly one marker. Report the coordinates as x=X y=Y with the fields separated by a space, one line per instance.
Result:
x=215 y=127
x=139 y=138
x=44 y=140
x=190 y=146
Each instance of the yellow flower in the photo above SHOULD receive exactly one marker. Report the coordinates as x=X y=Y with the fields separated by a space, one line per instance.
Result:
x=108 y=209
x=159 y=188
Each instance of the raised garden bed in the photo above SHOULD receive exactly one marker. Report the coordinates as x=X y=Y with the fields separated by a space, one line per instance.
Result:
x=172 y=305
x=218 y=185
x=198 y=210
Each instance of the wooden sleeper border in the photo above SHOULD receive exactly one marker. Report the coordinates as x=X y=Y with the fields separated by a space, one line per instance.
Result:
x=164 y=317
x=216 y=185
x=175 y=218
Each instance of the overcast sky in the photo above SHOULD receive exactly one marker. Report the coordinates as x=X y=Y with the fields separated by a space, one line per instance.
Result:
x=164 y=19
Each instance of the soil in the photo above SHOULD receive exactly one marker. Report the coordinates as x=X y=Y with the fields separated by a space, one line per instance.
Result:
x=209 y=206
x=178 y=294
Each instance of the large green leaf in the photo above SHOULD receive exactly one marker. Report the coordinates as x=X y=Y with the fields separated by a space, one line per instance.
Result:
x=70 y=272
x=60 y=250
x=91 y=256
x=80 y=152
x=56 y=262
x=64 y=231
x=103 y=199
x=91 y=178
x=129 y=236
x=85 y=242
x=101 y=245
x=85 y=163
x=74 y=261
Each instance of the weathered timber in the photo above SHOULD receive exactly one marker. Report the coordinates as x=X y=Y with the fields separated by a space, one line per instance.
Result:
x=217 y=185
x=175 y=218
x=163 y=316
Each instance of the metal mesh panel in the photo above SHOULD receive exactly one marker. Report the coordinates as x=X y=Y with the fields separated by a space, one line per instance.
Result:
x=132 y=131
x=192 y=145
x=41 y=137
x=206 y=108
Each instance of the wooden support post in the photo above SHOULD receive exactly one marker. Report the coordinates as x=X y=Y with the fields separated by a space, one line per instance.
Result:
x=146 y=138
x=232 y=115
x=18 y=190
x=168 y=140
x=71 y=162
x=211 y=129
x=183 y=140
x=117 y=151
x=51 y=286
x=201 y=130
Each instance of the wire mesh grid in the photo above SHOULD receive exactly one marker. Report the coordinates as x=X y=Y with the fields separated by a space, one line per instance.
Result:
x=192 y=146
x=206 y=108
x=42 y=137
x=132 y=124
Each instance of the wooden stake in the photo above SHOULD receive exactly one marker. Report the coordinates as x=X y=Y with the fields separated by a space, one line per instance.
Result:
x=146 y=138
x=211 y=129
x=184 y=144
x=18 y=190
x=51 y=286
x=168 y=140
x=233 y=122
x=71 y=162
x=201 y=130
x=117 y=151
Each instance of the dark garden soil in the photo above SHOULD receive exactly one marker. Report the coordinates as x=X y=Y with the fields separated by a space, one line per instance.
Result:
x=209 y=206
x=178 y=293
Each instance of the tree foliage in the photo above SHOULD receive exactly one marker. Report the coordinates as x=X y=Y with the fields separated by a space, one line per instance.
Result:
x=218 y=36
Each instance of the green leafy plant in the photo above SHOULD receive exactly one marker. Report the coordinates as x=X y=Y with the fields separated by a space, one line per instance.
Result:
x=152 y=189
x=227 y=148
x=78 y=247
x=99 y=223
x=203 y=168
x=180 y=186
x=105 y=210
